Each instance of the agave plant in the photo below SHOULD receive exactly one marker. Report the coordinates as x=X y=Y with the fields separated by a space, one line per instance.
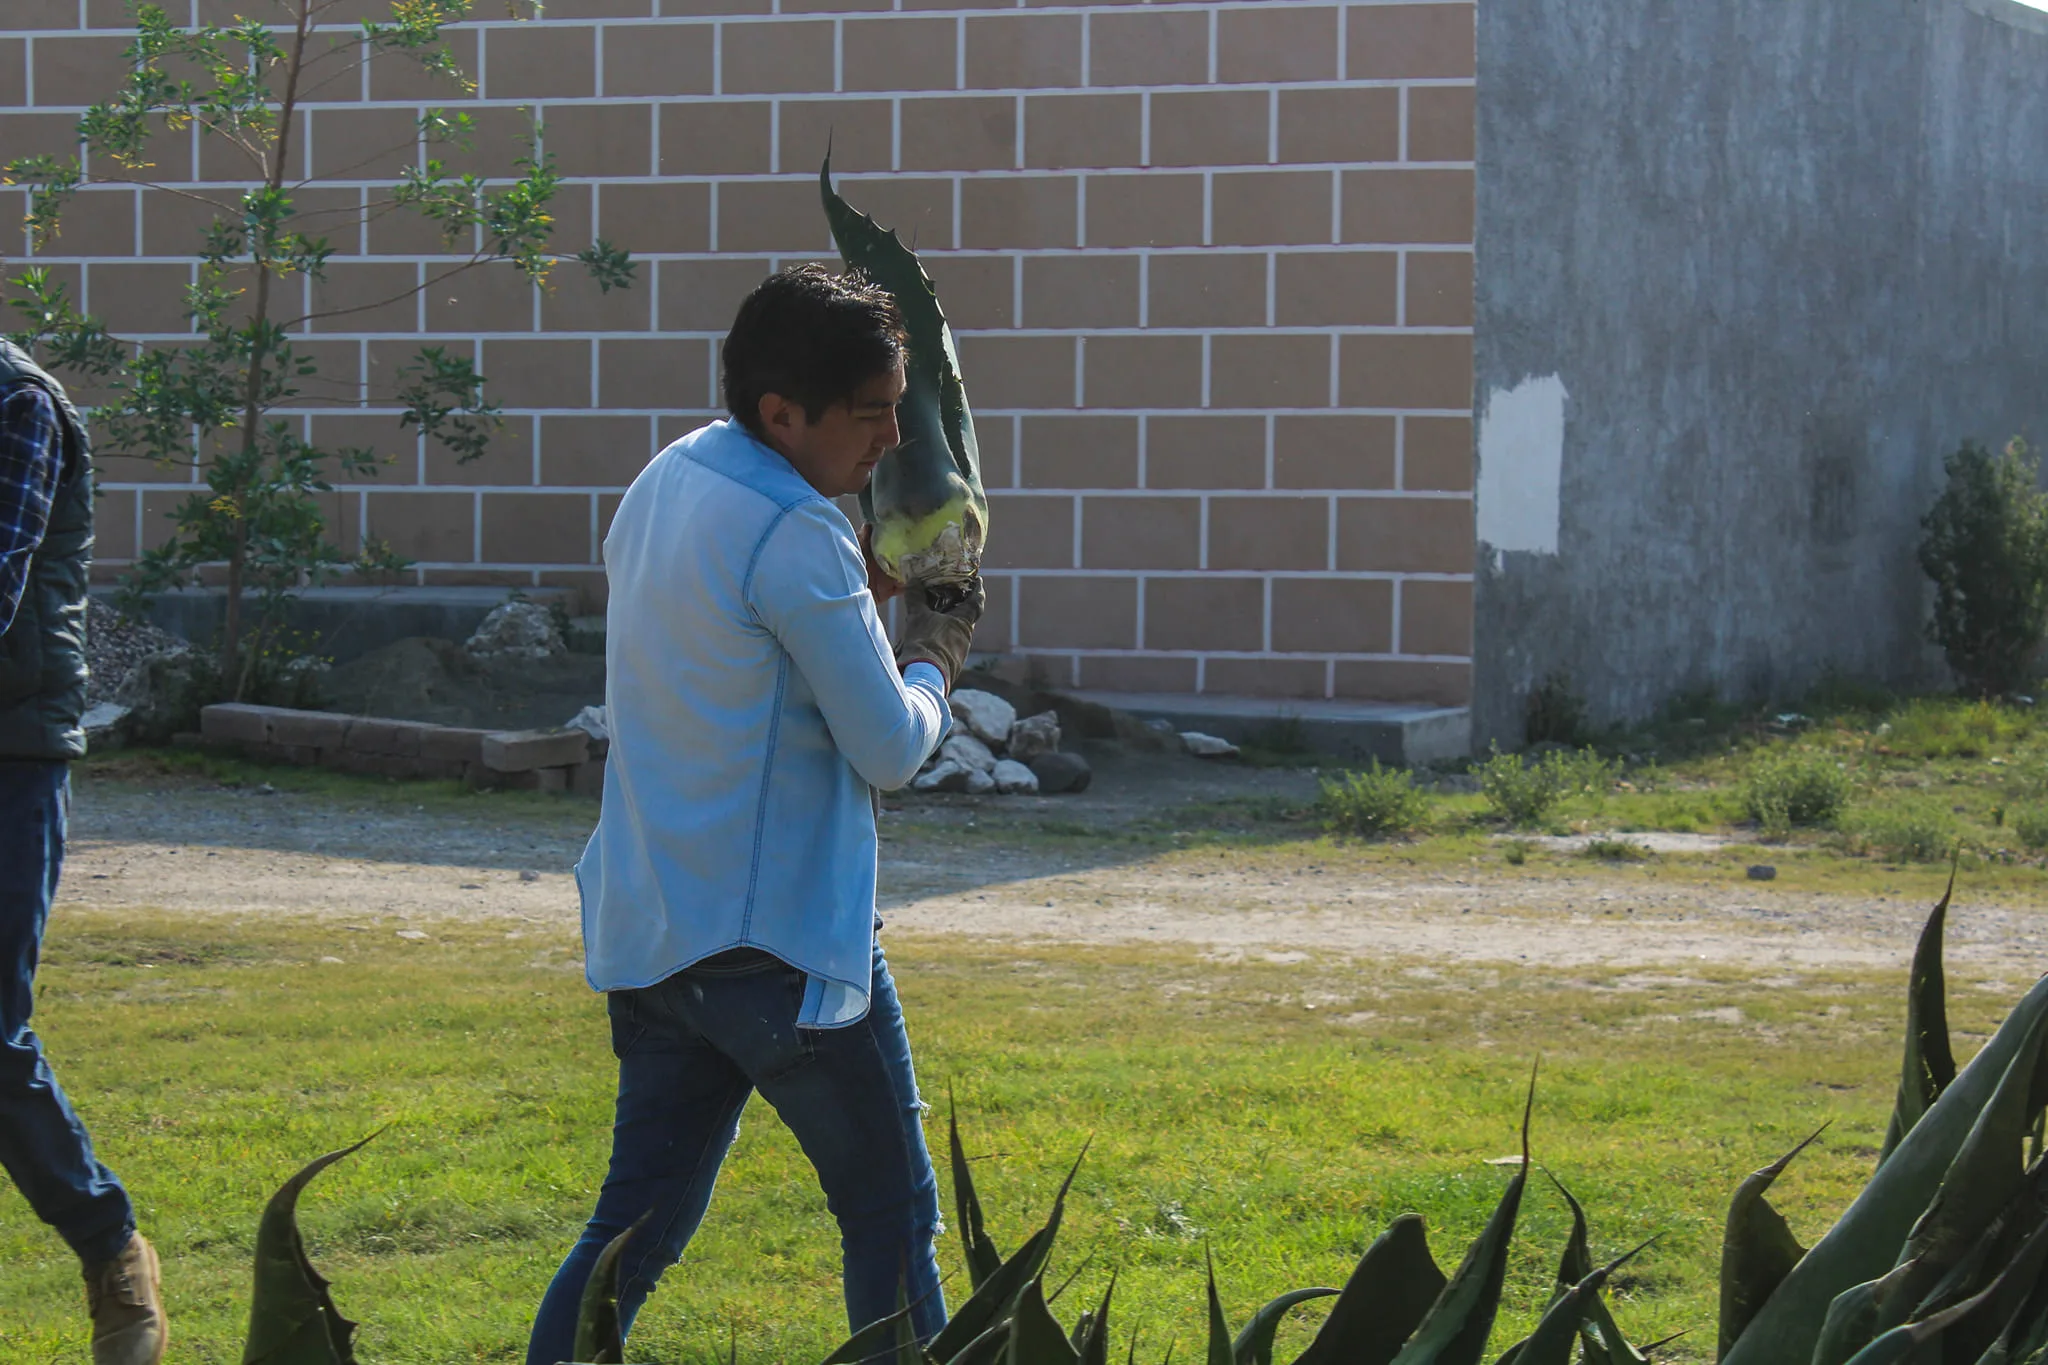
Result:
x=925 y=500
x=1941 y=1258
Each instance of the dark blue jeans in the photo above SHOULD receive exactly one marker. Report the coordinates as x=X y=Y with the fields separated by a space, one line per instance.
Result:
x=43 y=1146
x=691 y=1049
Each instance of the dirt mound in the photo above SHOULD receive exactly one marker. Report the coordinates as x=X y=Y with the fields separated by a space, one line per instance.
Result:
x=425 y=679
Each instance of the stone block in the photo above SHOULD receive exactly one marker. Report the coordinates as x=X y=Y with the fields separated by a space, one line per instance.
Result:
x=453 y=743
x=232 y=722
x=369 y=735
x=519 y=751
x=550 y=779
x=308 y=729
x=442 y=769
x=587 y=778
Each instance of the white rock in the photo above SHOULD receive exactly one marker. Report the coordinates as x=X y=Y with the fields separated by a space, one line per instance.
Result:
x=594 y=721
x=517 y=630
x=1014 y=779
x=987 y=717
x=979 y=783
x=968 y=752
x=944 y=776
x=1035 y=735
x=1206 y=746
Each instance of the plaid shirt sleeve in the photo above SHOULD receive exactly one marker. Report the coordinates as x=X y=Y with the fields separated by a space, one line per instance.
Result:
x=31 y=462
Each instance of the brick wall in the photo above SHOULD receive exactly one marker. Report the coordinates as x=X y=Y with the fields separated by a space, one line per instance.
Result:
x=1211 y=265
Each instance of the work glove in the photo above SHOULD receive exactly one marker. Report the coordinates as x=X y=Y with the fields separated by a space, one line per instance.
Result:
x=938 y=625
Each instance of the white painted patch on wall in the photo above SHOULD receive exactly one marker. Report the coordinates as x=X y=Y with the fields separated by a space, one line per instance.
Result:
x=1521 y=467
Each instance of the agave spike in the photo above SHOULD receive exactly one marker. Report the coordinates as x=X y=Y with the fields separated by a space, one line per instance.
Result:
x=1551 y=1342
x=1758 y=1249
x=1219 y=1330
x=925 y=500
x=292 y=1317
x=1035 y=1336
x=983 y=1260
x=1460 y=1321
x=1383 y=1302
x=1601 y=1338
x=1254 y=1345
x=1930 y=1064
x=993 y=1302
x=600 y=1338
x=1092 y=1344
x=1864 y=1243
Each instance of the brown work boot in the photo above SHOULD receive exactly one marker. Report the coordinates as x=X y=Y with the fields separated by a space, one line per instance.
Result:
x=128 y=1326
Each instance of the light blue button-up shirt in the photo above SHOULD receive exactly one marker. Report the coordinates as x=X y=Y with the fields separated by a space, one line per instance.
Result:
x=754 y=701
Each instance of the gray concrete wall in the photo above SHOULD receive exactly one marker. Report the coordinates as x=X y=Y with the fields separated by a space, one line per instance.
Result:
x=1746 y=270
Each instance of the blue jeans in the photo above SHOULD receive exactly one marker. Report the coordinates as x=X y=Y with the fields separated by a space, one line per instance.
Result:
x=691 y=1049
x=43 y=1146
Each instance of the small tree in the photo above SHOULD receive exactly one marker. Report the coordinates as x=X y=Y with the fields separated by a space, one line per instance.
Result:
x=210 y=402
x=1986 y=548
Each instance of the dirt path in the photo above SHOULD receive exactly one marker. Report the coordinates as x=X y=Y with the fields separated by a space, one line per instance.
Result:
x=236 y=851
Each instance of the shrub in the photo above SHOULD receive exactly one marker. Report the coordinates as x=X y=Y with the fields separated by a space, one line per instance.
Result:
x=1523 y=792
x=1788 y=787
x=1616 y=851
x=1373 y=803
x=2031 y=824
x=1986 y=548
x=1930 y=727
x=1907 y=833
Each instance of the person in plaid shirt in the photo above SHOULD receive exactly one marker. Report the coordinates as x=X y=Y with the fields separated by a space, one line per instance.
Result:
x=45 y=552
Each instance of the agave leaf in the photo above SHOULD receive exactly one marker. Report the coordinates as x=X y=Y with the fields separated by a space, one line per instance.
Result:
x=1865 y=1241
x=997 y=1297
x=1930 y=1065
x=932 y=416
x=983 y=1260
x=986 y=1349
x=1903 y=1342
x=1982 y=1182
x=1092 y=1343
x=1458 y=1324
x=1254 y=1345
x=1601 y=1339
x=1036 y=1337
x=599 y=1338
x=1219 y=1330
x=292 y=1317
x=1850 y=1324
x=1383 y=1302
x=1758 y=1249
x=878 y=1340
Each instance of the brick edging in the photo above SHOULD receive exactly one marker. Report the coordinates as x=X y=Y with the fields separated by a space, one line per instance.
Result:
x=525 y=760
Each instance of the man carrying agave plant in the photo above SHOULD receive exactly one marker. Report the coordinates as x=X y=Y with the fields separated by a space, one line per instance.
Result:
x=729 y=889
x=45 y=549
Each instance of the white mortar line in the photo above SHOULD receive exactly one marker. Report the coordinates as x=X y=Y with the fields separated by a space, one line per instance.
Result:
x=1270 y=423
x=838 y=55
x=774 y=136
x=959 y=50
x=1144 y=449
x=1266 y=607
x=1079 y=530
x=1087 y=21
x=1331 y=556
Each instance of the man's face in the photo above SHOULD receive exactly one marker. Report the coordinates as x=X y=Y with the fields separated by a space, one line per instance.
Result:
x=837 y=454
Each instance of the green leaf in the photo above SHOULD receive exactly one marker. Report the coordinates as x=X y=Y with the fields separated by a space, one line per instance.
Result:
x=997 y=1297
x=878 y=1340
x=983 y=1259
x=1551 y=1342
x=1092 y=1343
x=1930 y=1064
x=1866 y=1241
x=1758 y=1249
x=599 y=1339
x=292 y=1317
x=1254 y=1345
x=1219 y=1330
x=1601 y=1339
x=1460 y=1321
x=933 y=478
x=1383 y=1302
x=1036 y=1337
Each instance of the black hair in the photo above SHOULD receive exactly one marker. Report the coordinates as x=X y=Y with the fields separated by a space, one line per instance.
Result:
x=811 y=336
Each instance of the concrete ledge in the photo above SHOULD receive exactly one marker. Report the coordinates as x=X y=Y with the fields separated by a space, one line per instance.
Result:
x=539 y=760
x=1351 y=731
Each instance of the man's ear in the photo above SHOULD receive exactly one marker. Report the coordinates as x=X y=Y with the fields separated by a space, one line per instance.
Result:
x=774 y=412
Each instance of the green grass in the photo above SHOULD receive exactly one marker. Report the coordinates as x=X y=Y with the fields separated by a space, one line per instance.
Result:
x=1279 y=1114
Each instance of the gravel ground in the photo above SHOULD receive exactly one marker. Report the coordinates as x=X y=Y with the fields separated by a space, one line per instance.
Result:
x=114 y=644
x=948 y=869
